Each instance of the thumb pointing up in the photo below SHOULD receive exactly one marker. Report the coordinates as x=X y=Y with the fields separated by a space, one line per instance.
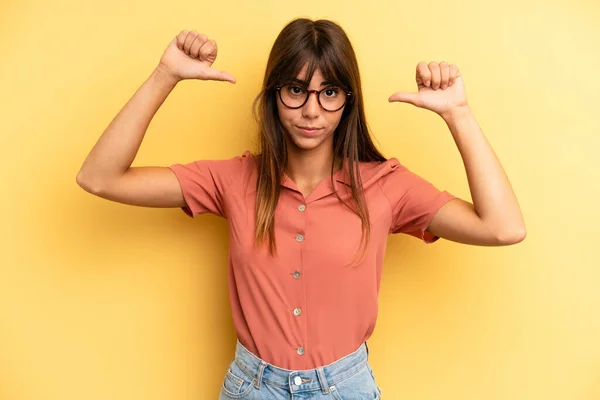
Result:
x=412 y=98
x=439 y=95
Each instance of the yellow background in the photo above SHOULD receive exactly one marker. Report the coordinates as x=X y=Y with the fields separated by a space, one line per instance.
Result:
x=100 y=300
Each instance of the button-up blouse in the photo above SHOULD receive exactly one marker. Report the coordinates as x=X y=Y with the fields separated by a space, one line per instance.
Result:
x=305 y=307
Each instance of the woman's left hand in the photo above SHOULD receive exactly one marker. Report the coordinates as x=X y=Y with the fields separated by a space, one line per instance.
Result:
x=441 y=89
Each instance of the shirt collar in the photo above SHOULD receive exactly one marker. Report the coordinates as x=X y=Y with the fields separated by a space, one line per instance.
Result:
x=370 y=172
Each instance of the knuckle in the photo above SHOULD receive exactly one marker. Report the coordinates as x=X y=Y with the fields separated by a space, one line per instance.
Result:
x=209 y=46
x=182 y=37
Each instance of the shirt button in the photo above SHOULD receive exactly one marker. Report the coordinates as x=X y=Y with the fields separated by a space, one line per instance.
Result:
x=298 y=381
x=299 y=238
x=301 y=207
x=300 y=350
x=297 y=311
x=297 y=274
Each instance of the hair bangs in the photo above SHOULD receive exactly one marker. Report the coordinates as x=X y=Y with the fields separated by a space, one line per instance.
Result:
x=314 y=57
x=306 y=45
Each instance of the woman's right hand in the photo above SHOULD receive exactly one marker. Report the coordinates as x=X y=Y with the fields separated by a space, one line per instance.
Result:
x=190 y=56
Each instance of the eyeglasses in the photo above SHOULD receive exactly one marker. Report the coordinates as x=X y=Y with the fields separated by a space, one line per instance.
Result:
x=332 y=98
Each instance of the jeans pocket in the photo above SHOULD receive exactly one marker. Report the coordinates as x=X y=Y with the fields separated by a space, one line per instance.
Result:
x=374 y=380
x=237 y=384
x=361 y=385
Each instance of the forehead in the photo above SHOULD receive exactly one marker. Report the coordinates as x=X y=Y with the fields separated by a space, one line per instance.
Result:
x=322 y=74
x=304 y=70
x=317 y=77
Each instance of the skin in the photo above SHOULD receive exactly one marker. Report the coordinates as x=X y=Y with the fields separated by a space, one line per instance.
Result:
x=309 y=156
x=493 y=219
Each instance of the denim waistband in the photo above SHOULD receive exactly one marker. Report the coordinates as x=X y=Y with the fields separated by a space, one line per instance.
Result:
x=323 y=377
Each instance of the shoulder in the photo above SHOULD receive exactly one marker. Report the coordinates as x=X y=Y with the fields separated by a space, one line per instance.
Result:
x=239 y=168
x=233 y=166
x=393 y=178
x=223 y=171
x=244 y=162
x=378 y=171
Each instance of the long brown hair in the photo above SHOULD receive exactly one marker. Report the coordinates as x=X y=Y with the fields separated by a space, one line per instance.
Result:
x=324 y=45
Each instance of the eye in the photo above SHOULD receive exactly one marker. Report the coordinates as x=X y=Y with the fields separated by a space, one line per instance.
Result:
x=332 y=91
x=295 y=90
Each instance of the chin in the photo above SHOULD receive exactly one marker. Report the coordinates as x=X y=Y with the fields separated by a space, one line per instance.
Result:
x=303 y=142
x=306 y=143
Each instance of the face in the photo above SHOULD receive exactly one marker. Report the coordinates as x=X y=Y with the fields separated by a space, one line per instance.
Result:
x=310 y=115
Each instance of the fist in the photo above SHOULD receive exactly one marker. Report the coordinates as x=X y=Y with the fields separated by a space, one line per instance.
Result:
x=440 y=88
x=190 y=55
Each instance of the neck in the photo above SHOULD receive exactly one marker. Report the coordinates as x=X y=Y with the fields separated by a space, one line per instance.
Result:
x=309 y=166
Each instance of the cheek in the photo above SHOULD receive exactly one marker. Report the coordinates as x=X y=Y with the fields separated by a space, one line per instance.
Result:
x=280 y=113
x=284 y=114
x=334 y=120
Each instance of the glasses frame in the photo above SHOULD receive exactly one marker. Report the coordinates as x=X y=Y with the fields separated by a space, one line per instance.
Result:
x=318 y=92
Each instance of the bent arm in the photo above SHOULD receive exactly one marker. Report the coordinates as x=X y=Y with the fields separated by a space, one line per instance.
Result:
x=495 y=217
x=107 y=171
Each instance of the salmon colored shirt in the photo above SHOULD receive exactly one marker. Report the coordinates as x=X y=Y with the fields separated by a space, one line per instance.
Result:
x=304 y=308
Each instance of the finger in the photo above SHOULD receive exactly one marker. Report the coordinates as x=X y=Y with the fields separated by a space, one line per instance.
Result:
x=181 y=39
x=454 y=73
x=191 y=37
x=208 y=51
x=423 y=74
x=198 y=43
x=436 y=77
x=445 y=74
x=217 y=75
x=403 y=97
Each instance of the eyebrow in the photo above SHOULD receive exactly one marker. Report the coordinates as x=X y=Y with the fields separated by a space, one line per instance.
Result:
x=324 y=83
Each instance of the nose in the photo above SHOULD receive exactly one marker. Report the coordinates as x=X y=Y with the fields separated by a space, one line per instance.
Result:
x=312 y=107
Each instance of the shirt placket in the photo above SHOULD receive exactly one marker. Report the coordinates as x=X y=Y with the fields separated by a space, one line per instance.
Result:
x=324 y=189
x=297 y=274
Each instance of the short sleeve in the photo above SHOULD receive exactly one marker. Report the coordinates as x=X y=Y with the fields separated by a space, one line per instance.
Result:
x=205 y=183
x=414 y=201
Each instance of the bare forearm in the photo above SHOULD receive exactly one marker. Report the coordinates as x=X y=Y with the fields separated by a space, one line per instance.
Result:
x=493 y=197
x=115 y=150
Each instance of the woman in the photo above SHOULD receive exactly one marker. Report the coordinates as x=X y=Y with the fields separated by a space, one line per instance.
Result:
x=309 y=214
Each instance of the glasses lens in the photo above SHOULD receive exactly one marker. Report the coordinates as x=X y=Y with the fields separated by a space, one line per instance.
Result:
x=293 y=96
x=331 y=98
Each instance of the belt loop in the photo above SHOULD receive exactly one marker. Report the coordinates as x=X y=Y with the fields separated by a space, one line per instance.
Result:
x=367 y=346
x=259 y=374
x=322 y=380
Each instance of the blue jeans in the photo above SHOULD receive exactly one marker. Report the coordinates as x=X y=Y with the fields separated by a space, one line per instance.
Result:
x=349 y=378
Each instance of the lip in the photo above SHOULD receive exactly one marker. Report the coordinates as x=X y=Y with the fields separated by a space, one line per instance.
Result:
x=308 y=131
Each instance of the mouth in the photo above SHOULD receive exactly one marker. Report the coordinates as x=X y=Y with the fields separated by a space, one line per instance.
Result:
x=308 y=130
